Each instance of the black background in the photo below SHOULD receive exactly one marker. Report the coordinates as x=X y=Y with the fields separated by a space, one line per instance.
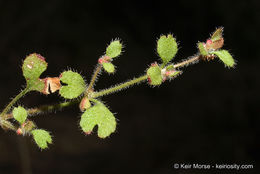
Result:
x=208 y=115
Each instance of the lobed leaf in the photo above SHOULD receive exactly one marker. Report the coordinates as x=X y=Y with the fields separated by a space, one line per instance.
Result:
x=99 y=115
x=225 y=57
x=167 y=48
x=75 y=85
x=33 y=66
x=42 y=138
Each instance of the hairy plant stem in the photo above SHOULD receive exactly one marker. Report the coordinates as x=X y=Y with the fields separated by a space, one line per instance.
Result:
x=119 y=87
x=9 y=106
x=140 y=79
x=45 y=108
x=193 y=59
x=93 y=79
x=49 y=108
x=3 y=122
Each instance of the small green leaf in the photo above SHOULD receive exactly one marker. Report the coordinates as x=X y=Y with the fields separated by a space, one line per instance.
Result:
x=108 y=67
x=225 y=57
x=174 y=73
x=217 y=35
x=203 y=51
x=167 y=48
x=42 y=138
x=114 y=49
x=170 y=67
x=20 y=114
x=33 y=66
x=154 y=75
x=99 y=115
x=75 y=85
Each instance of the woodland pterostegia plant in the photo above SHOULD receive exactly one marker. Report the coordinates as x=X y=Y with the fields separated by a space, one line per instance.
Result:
x=72 y=86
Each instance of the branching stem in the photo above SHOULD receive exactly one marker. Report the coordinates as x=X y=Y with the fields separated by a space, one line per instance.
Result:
x=45 y=108
x=140 y=79
x=9 y=106
x=48 y=108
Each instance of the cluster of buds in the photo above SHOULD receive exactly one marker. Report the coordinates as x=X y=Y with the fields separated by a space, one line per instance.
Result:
x=105 y=61
x=168 y=73
x=84 y=104
x=156 y=75
x=214 y=43
x=113 y=50
x=25 y=127
x=213 y=49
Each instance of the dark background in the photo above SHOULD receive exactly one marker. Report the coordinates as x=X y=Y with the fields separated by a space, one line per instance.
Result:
x=208 y=115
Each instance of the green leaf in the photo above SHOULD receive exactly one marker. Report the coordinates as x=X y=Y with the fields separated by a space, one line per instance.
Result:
x=154 y=75
x=167 y=48
x=170 y=67
x=75 y=85
x=42 y=138
x=20 y=114
x=225 y=57
x=108 y=67
x=174 y=73
x=203 y=51
x=114 y=49
x=33 y=66
x=99 y=115
x=217 y=35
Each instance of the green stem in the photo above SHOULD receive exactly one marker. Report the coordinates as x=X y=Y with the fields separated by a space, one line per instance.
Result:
x=193 y=59
x=8 y=107
x=124 y=85
x=93 y=79
x=49 y=108
x=45 y=108
x=119 y=87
